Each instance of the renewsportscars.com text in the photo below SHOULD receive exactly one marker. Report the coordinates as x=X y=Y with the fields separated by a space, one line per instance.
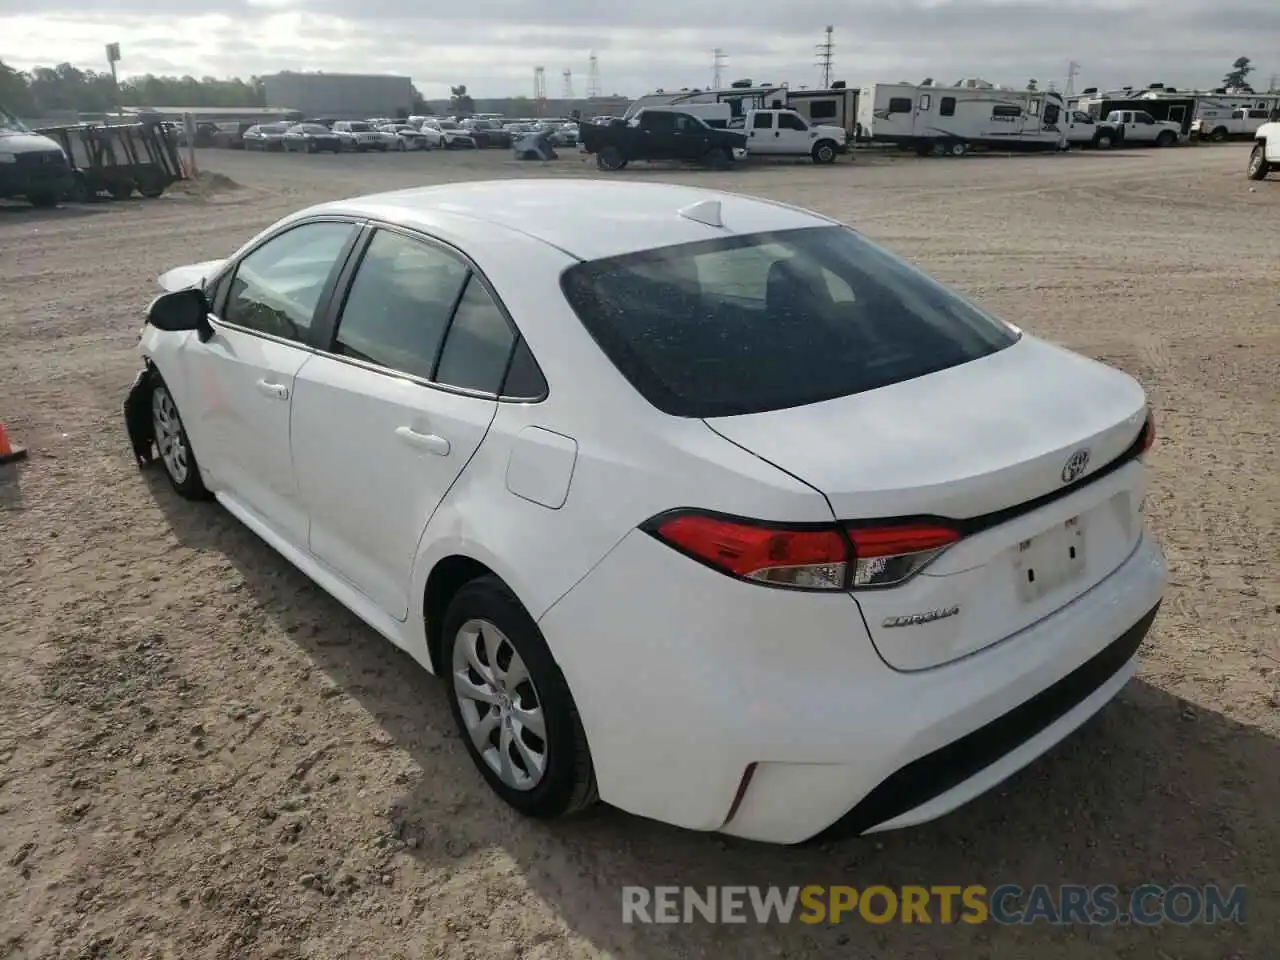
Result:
x=1103 y=904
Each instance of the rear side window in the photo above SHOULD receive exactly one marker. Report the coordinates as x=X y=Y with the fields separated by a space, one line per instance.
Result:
x=900 y=105
x=768 y=321
x=947 y=106
x=479 y=344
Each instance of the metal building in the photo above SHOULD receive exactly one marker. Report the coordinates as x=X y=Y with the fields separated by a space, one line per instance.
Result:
x=344 y=96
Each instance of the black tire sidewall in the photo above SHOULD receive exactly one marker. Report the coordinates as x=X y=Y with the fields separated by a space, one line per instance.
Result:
x=487 y=598
x=1258 y=156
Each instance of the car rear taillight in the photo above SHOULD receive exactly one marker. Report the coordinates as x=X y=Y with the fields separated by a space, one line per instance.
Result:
x=891 y=554
x=803 y=556
x=807 y=558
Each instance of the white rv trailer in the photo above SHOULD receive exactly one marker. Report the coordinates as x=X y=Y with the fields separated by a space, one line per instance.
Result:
x=934 y=119
x=739 y=99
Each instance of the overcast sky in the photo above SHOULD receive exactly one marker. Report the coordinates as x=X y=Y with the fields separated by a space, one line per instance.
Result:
x=493 y=45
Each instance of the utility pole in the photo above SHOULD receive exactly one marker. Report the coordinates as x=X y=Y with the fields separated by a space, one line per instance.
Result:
x=567 y=92
x=1073 y=70
x=825 y=57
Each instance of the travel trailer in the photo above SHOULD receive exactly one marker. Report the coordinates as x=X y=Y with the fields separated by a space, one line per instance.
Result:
x=950 y=120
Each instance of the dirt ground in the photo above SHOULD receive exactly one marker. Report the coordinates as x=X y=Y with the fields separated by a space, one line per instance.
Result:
x=202 y=755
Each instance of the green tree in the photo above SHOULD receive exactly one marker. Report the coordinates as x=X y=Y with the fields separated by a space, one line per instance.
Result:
x=460 y=102
x=1239 y=75
x=420 y=105
x=14 y=92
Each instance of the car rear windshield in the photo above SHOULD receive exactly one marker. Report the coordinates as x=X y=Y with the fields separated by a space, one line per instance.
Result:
x=767 y=321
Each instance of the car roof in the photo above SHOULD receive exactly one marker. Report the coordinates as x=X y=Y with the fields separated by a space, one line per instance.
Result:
x=586 y=218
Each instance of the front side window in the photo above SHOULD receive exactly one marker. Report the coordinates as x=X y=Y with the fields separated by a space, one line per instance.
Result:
x=769 y=321
x=276 y=288
x=399 y=304
x=789 y=121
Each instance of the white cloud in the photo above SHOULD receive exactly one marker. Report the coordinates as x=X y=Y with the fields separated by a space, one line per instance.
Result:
x=494 y=45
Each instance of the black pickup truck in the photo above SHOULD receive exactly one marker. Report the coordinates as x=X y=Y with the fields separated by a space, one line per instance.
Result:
x=661 y=134
x=31 y=166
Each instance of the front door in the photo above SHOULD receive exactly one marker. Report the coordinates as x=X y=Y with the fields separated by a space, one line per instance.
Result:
x=762 y=138
x=244 y=375
x=385 y=420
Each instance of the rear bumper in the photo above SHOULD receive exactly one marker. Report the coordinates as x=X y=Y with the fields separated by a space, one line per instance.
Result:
x=686 y=679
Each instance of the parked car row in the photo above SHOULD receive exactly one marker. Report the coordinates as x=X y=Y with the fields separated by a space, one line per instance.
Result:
x=385 y=134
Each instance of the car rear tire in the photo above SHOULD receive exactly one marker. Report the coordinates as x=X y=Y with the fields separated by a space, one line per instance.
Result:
x=1218 y=135
x=1102 y=141
x=1259 y=167
x=173 y=444
x=43 y=199
x=512 y=705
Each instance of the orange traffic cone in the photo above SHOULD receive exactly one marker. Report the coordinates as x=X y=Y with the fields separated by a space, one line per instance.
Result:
x=8 y=452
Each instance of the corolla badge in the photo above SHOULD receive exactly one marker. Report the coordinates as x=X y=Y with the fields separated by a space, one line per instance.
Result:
x=916 y=619
x=1075 y=466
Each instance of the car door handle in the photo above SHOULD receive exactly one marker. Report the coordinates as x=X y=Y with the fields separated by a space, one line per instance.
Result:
x=277 y=391
x=425 y=441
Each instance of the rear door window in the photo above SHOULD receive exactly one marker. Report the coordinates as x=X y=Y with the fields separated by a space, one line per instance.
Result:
x=768 y=321
x=399 y=304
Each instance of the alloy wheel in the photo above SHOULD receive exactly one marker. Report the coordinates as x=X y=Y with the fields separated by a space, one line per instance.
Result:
x=500 y=705
x=169 y=437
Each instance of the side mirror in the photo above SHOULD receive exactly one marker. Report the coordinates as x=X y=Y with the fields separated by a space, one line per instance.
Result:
x=181 y=310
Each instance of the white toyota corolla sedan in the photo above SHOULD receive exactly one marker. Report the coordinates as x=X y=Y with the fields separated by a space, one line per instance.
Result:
x=700 y=504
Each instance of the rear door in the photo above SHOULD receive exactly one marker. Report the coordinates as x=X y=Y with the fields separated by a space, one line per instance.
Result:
x=388 y=417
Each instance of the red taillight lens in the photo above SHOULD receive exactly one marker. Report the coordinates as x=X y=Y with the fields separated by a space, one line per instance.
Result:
x=1148 y=432
x=813 y=559
x=889 y=555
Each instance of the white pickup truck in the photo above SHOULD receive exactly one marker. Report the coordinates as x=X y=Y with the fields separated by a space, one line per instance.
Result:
x=1122 y=127
x=1241 y=123
x=784 y=133
x=1265 y=156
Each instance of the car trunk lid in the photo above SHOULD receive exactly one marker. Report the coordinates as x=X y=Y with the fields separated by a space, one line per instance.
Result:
x=1017 y=450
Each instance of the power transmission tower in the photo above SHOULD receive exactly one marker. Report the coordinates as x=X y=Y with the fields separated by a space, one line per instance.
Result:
x=1274 y=85
x=539 y=89
x=718 y=60
x=567 y=92
x=593 y=75
x=1073 y=71
x=825 y=56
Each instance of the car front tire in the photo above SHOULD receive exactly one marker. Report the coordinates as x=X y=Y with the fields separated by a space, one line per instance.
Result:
x=173 y=444
x=1258 y=165
x=512 y=705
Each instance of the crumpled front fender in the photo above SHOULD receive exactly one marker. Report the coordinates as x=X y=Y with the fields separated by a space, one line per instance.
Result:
x=137 y=416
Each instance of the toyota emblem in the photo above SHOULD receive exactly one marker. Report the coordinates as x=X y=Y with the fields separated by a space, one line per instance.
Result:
x=1075 y=466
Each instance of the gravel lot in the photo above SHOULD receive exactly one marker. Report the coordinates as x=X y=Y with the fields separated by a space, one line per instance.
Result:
x=201 y=755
